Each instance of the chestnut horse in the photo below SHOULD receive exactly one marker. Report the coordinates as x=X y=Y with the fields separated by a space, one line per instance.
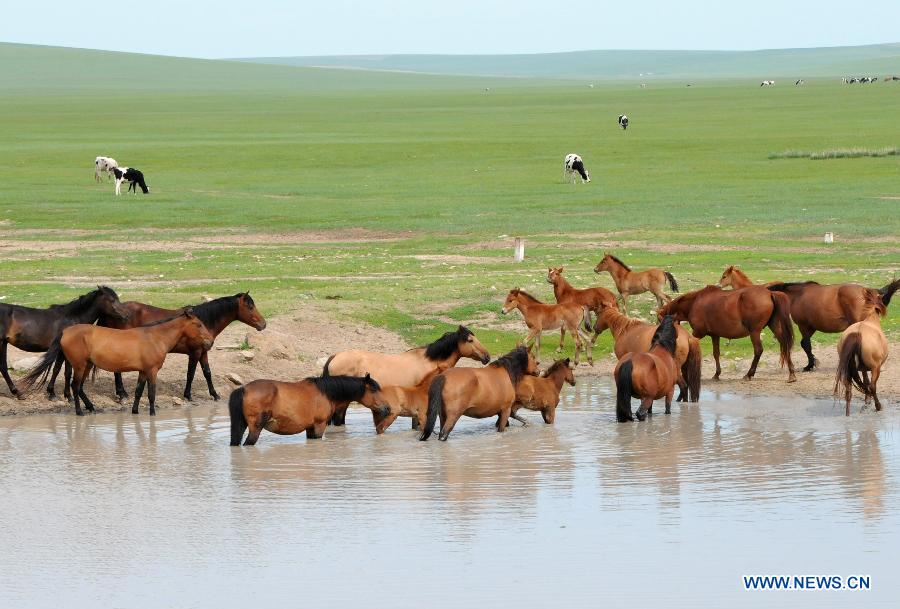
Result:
x=635 y=336
x=542 y=393
x=592 y=298
x=648 y=375
x=289 y=408
x=405 y=402
x=736 y=278
x=630 y=282
x=863 y=348
x=141 y=349
x=477 y=392
x=409 y=368
x=34 y=330
x=540 y=317
x=829 y=308
x=719 y=313
x=216 y=315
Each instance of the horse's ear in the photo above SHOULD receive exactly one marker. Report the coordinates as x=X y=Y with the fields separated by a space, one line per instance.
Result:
x=561 y=269
x=568 y=361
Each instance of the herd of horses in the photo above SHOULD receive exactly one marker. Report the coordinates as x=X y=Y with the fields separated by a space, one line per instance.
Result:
x=99 y=332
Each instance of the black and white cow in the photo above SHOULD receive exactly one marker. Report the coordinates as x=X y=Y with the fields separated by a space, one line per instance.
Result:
x=134 y=178
x=103 y=164
x=574 y=165
x=799 y=82
x=623 y=121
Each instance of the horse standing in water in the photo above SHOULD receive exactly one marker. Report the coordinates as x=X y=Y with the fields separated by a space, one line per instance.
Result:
x=542 y=393
x=634 y=336
x=141 y=350
x=34 y=330
x=216 y=315
x=477 y=392
x=592 y=298
x=405 y=402
x=290 y=408
x=409 y=368
x=649 y=375
x=719 y=313
x=629 y=282
x=863 y=348
x=541 y=317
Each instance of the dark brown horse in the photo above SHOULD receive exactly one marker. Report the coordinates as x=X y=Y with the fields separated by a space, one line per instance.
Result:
x=216 y=315
x=719 y=313
x=141 y=350
x=649 y=375
x=542 y=393
x=829 y=308
x=290 y=408
x=35 y=329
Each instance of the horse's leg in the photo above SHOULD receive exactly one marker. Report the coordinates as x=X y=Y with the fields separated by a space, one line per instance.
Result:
x=77 y=380
x=562 y=335
x=669 y=400
x=715 y=342
x=447 y=426
x=339 y=416
x=207 y=374
x=805 y=341
x=513 y=414
x=537 y=347
x=255 y=426
x=682 y=387
x=875 y=374
x=579 y=345
x=151 y=391
x=51 y=386
x=5 y=370
x=757 y=353
x=67 y=387
x=138 y=392
x=503 y=421
x=415 y=422
x=121 y=394
x=643 y=409
x=191 y=370
x=624 y=303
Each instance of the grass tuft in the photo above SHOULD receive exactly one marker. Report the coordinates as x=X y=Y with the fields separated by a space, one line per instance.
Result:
x=837 y=153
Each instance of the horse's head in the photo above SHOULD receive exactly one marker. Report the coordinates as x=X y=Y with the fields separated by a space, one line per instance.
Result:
x=195 y=331
x=372 y=396
x=512 y=301
x=469 y=346
x=531 y=368
x=678 y=308
x=248 y=313
x=604 y=264
x=726 y=279
x=554 y=274
x=602 y=322
x=109 y=304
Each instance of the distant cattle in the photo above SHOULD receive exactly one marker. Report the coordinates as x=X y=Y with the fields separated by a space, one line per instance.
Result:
x=799 y=82
x=623 y=121
x=104 y=164
x=767 y=83
x=133 y=176
x=574 y=165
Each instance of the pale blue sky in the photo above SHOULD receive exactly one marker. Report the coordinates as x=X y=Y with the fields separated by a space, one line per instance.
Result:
x=227 y=28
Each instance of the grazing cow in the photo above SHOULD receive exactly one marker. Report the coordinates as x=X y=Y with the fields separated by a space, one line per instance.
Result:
x=799 y=82
x=767 y=83
x=623 y=122
x=134 y=178
x=103 y=164
x=574 y=165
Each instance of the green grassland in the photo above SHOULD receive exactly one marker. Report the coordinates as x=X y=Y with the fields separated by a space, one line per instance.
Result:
x=440 y=172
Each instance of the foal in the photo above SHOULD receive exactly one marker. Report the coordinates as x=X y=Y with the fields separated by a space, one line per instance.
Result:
x=863 y=348
x=540 y=317
x=405 y=402
x=592 y=298
x=542 y=393
x=649 y=376
x=629 y=282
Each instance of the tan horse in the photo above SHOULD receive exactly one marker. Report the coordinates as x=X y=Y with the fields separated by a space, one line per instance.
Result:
x=409 y=368
x=542 y=393
x=630 y=282
x=737 y=279
x=405 y=402
x=863 y=348
x=541 y=317
x=649 y=375
x=635 y=336
x=141 y=350
x=592 y=298
x=477 y=392
x=290 y=408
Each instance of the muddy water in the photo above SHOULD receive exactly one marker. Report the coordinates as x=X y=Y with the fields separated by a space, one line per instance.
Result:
x=113 y=510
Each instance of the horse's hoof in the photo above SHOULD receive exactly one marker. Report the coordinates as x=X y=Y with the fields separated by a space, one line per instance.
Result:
x=79 y=413
x=792 y=379
x=134 y=411
x=216 y=397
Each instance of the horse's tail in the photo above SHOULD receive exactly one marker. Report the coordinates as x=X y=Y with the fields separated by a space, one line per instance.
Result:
x=623 y=393
x=672 y=283
x=781 y=325
x=435 y=403
x=37 y=376
x=586 y=320
x=888 y=291
x=325 y=371
x=850 y=368
x=236 y=410
x=691 y=369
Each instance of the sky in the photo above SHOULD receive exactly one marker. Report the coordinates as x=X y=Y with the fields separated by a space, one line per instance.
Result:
x=226 y=28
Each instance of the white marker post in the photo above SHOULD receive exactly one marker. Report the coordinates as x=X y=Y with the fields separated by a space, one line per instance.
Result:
x=829 y=238
x=519 y=252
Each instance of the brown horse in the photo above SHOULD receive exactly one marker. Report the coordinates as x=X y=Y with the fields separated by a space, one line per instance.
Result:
x=289 y=408
x=477 y=392
x=737 y=279
x=592 y=298
x=542 y=393
x=540 y=317
x=409 y=368
x=829 y=308
x=863 y=348
x=635 y=336
x=719 y=313
x=141 y=349
x=649 y=375
x=216 y=315
x=405 y=402
x=630 y=282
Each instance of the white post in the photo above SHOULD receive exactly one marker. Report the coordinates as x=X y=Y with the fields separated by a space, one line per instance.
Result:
x=519 y=252
x=829 y=238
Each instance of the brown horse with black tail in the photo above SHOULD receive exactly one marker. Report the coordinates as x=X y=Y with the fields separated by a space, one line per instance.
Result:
x=35 y=330
x=290 y=408
x=629 y=282
x=719 y=313
x=862 y=350
x=829 y=308
x=649 y=375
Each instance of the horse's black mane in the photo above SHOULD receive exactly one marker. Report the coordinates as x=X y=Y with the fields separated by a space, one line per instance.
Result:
x=214 y=310
x=515 y=362
x=84 y=301
x=625 y=266
x=343 y=388
x=666 y=334
x=447 y=344
x=560 y=363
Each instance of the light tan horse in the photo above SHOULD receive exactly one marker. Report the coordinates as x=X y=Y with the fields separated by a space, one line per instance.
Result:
x=635 y=336
x=542 y=393
x=863 y=348
x=649 y=375
x=592 y=298
x=405 y=402
x=541 y=317
x=409 y=368
x=630 y=283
